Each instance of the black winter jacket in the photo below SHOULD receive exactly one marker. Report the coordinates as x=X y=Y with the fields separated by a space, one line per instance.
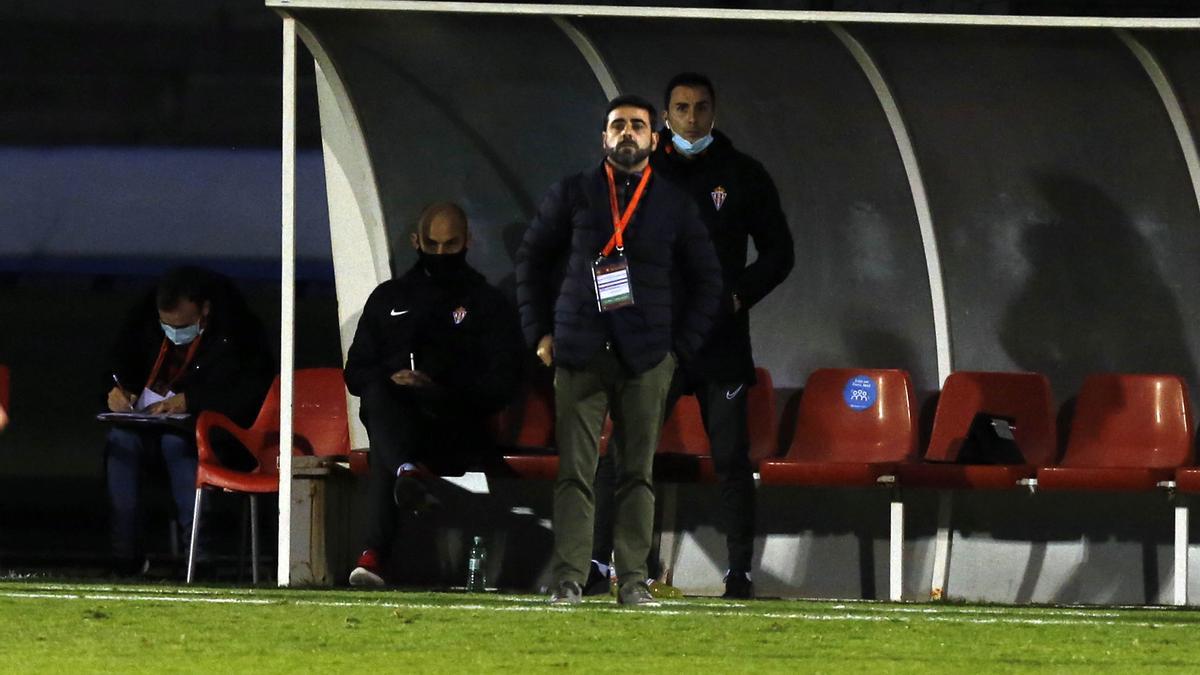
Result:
x=462 y=333
x=231 y=370
x=737 y=199
x=665 y=239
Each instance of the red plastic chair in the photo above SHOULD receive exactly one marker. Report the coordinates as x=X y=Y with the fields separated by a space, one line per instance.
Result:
x=320 y=428
x=531 y=428
x=684 y=453
x=835 y=443
x=1130 y=432
x=1024 y=397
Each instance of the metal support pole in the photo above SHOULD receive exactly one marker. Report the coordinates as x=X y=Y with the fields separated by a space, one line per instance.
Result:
x=287 y=301
x=896 y=546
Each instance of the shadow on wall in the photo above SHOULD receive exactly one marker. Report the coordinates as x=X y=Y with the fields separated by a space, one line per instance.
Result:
x=1095 y=300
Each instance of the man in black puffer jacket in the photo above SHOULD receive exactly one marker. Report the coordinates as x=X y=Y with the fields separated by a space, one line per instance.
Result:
x=613 y=328
x=436 y=352
x=738 y=201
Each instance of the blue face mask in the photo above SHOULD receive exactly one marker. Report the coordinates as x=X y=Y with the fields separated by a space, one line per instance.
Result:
x=181 y=336
x=686 y=147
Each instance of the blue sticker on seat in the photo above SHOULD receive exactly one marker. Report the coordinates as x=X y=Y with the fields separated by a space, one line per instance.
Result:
x=859 y=392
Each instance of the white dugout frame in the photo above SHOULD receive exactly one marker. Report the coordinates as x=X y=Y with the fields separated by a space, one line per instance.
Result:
x=357 y=224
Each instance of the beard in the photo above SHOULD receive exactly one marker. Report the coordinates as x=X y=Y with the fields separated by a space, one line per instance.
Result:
x=626 y=154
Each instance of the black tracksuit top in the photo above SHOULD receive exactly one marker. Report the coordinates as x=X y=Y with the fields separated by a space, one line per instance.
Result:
x=737 y=199
x=461 y=332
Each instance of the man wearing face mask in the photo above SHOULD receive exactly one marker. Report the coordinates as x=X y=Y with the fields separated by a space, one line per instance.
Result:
x=436 y=352
x=192 y=345
x=738 y=202
x=613 y=330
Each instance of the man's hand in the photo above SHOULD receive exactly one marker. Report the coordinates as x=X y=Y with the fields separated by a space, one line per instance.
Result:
x=411 y=378
x=120 y=400
x=737 y=303
x=545 y=350
x=175 y=404
x=3 y=418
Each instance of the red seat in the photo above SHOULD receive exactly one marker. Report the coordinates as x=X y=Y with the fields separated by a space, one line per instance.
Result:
x=1130 y=432
x=842 y=436
x=319 y=428
x=529 y=431
x=684 y=453
x=1024 y=397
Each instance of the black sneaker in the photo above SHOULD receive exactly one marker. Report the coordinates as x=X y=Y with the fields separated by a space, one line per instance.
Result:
x=567 y=593
x=636 y=594
x=410 y=494
x=597 y=582
x=738 y=586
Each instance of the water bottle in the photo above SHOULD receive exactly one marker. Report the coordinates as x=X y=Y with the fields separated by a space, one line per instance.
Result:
x=476 y=564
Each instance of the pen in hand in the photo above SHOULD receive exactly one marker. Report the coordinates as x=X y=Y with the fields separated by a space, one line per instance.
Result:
x=120 y=386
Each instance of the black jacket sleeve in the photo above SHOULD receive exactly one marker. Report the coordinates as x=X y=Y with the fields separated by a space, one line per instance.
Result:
x=541 y=250
x=238 y=375
x=772 y=239
x=701 y=273
x=364 y=362
x=500 y=376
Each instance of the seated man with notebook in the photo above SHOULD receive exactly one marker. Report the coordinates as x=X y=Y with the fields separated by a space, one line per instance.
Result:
x=191 y=345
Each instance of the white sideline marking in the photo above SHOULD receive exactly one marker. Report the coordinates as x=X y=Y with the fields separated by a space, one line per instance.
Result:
x=871 y=614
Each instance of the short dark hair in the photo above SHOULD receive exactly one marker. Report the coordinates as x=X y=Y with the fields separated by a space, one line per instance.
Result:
x=632 y=100
x=188 y=282
x=689 y=79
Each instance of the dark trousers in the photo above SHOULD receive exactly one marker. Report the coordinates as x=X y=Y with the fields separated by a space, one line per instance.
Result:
x=128 y=453
x=724 y=417
x=404 y=428
x=581 y=399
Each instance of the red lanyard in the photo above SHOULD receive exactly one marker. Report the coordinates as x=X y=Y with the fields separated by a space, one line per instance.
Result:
x=620 y=222
x=162 y=355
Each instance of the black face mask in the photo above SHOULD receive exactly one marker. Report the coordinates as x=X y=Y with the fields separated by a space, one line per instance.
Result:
x=444 y=267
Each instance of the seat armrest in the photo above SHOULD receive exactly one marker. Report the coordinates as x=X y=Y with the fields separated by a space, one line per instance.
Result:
x=253 y=440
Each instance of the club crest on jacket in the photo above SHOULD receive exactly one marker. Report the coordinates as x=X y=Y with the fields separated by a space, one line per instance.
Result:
x=718 y=197
x=459 y=315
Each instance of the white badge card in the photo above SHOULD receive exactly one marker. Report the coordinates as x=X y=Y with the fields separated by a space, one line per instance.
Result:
x=611 y=276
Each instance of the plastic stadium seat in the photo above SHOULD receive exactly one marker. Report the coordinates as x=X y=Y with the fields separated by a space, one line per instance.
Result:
x=1130 y=432
x=684 y=453
x=529 y=433
x=319 y=426
x=842 y=436
x=1024 y=397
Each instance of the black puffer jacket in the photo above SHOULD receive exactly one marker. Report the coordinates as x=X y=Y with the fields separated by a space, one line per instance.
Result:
x=664 y=239
x=737 y=199
x=462 y=333
x=231 y=370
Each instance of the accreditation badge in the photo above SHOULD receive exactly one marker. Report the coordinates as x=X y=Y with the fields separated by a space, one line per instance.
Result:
x=611 y=278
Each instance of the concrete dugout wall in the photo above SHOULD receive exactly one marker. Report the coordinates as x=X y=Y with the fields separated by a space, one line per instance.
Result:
x=1048 y=167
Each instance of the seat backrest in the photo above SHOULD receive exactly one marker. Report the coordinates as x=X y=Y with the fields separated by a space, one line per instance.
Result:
x=319 y=414
x=1126 y=421
x=855 y=415
x=1024 y=397
x=683 y=431
x=761 y=420
x=533 y=419
x=4 y=386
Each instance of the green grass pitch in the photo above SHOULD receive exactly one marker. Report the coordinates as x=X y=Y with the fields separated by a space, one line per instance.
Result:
x=52 y=627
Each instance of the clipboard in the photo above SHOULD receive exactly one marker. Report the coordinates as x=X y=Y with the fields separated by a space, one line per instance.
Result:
x=141 y=419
